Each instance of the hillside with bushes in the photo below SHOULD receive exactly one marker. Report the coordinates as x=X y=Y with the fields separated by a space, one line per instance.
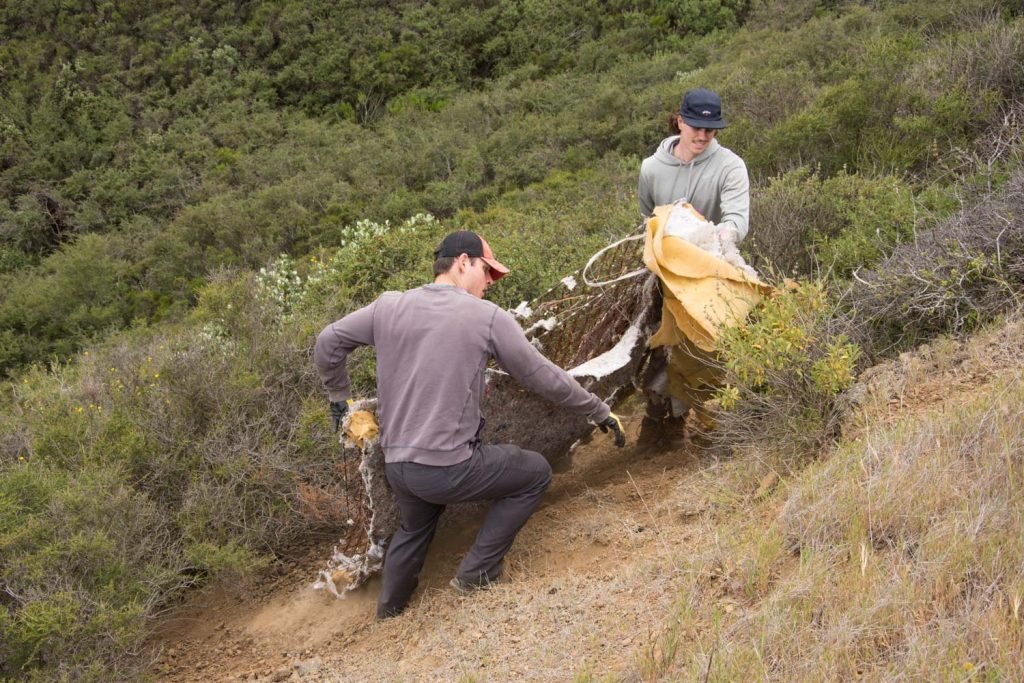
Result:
x=190 y=193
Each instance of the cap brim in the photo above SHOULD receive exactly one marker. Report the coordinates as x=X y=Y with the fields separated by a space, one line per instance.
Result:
x=498 y=270
x=701 y=123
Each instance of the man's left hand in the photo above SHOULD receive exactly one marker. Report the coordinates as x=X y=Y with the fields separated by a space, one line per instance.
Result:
x=613 y=423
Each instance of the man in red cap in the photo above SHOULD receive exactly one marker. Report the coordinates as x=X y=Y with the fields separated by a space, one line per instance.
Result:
x=433 y=344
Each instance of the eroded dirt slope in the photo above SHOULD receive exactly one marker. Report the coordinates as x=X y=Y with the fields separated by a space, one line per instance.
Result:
x=586 y=582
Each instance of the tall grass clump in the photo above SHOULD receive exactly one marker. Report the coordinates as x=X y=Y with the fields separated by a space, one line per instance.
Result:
x=900 y=556
x=923 y=528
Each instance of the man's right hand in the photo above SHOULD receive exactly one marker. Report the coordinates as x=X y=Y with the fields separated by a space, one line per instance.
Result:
x=613 y=423
x=338 y=410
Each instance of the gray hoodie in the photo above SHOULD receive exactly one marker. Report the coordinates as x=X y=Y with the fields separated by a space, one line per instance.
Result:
x=715 y=182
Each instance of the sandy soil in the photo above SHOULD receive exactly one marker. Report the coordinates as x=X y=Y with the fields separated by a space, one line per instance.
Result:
x=586 y=586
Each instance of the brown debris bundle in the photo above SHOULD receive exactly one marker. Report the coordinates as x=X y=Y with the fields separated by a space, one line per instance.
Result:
x=602 y=330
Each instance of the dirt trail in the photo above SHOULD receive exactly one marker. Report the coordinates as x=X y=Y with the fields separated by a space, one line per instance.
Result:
x=584 y=585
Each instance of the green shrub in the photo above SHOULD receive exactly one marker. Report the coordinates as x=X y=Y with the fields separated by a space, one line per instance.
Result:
x=802 y=222
x=82 y=555
x=550 y=229
x=156 y=463
x=783 y=372
x=73 y=296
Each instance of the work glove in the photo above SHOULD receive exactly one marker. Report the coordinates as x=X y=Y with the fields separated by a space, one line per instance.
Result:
x=613 y=423
x=727 y=234
x=338 y=410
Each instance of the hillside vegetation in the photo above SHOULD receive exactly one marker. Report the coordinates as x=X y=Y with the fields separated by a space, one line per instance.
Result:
x=190 y=193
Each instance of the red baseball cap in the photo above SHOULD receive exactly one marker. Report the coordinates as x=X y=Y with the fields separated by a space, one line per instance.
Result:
x=473 y=245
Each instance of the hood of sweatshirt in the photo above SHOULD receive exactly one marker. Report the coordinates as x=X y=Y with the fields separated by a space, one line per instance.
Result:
x=664 y=153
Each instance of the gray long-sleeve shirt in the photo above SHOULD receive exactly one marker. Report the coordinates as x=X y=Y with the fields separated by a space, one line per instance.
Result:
x=715 y=182
x=433 y=344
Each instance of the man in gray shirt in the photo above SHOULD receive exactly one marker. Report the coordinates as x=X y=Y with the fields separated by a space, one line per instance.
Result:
x=691 y=166
x=433 y=344
x=694 y=167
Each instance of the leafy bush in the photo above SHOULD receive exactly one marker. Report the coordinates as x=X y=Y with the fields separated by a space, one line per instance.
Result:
x=804 y=222
x=154 y=464
x=83 y=555
x=783 y=372
x=72 y=297
x=548 y=230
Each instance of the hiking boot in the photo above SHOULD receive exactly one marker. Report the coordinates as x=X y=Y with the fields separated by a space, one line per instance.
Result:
x=463 y=587
x=384 y=613
x=652 y=424
x=673 y=431
x=664 y=434
x=650 y=433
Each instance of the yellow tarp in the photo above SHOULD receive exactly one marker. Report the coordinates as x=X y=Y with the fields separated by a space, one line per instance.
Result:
x=702 y=295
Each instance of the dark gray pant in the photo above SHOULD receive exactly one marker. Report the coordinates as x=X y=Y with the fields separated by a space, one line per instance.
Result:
x=513 y=478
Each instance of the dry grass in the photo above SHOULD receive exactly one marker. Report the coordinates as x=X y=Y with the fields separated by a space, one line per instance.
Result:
x=901 y=557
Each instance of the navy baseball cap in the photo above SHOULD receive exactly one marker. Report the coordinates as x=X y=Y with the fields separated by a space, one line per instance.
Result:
x=702 y=108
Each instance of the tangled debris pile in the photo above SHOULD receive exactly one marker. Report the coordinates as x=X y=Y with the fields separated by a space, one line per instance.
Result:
x=597 y=331
x=375 y=517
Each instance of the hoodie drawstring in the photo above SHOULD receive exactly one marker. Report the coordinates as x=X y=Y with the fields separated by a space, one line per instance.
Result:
x=690 y=180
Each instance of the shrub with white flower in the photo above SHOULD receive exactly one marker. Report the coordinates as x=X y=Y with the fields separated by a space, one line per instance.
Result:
x=287 y=290
x=214 y=335
x=352 y=235
x=281 y=284
x=326 y=269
